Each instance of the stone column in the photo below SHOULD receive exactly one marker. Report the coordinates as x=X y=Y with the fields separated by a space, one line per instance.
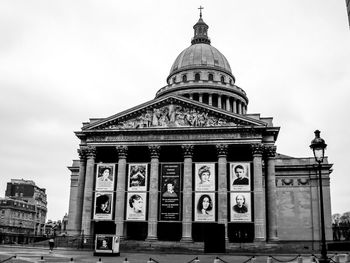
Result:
x=221 y=150
x=270 y=152
x=200 y=97
x=210 y=99
x=74 y=224
x=191 y=96
x=239 y=109
x=219 y=102
x=153 y=193
x=88 y=191
x=228 y=106
x=234 y=105
x=259 y=197
x=81 y=184
x=187 y=194
x=120 y=193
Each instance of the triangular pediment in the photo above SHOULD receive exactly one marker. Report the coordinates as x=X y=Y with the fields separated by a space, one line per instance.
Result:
x=172 y=112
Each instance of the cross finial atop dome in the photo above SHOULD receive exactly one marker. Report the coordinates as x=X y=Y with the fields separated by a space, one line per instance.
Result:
x=200 y=30
x=200 y=11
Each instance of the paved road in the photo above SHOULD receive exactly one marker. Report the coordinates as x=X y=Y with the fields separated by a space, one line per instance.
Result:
x=27 y=254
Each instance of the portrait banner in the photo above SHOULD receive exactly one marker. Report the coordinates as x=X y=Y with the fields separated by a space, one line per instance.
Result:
x=240 y=179
x=136 y=206
x=170 y=192
x=240 y=207
x=204 y=207
x=103 y=205
x=105 y=177
x=137 y=177
x=104 y=243
x=205 y=177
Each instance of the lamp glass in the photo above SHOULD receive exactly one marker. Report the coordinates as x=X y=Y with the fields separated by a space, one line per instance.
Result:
x=319 y=154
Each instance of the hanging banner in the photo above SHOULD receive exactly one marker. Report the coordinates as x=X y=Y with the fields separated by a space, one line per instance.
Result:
x=105 y=177
x=241 y=207
x=170 y=192
x=137 y=177
x=103 y=205
x=204 y=207
x=136 y=206
x=240 y=179
x=205 y=177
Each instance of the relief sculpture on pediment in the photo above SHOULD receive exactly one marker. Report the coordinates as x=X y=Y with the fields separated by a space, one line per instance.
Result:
x=171 y=116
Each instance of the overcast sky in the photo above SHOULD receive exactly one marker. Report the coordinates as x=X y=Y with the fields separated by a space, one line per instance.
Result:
x=63 y=62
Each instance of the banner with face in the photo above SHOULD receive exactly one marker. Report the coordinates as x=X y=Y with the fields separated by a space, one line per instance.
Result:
x=170 y=192
x=136 y=206
x=205 y=177
x=240 y=207
x=204 y=207
x=103 y=205
x=105 y=177
x=240 y=179
x=137 y=177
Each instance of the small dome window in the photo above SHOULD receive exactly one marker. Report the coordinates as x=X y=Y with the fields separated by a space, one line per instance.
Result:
x=197 y=77
x=222 y=79
x=230 y=81
x=211 y=77
x=174 y=80
x=184 y=78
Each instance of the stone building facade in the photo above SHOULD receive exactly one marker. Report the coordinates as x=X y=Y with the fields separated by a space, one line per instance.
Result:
x=166 y=170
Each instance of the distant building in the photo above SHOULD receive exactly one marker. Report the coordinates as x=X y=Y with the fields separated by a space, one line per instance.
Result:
x=17 y=221
x=23 y=210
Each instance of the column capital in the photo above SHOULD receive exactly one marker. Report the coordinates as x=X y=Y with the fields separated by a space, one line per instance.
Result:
x=270 y=151
x=82 y=153
x=154 y=151
x=122 y=151
x=221 y=149
x=187 y=150
x=90 y=152
x=257 y=149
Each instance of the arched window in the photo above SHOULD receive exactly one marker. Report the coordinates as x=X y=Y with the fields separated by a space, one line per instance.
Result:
x=222 y=79
x=211 y=77
x=174 y=80
x=230 y=81
x=197 y=77
x=184 y=78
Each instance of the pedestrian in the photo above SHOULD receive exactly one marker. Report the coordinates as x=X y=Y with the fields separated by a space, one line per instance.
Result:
x=51 y=244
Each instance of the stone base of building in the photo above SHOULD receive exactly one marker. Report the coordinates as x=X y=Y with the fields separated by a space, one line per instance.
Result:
x=296 y=247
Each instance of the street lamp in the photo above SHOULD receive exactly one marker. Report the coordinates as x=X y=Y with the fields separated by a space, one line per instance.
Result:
x=318 y=146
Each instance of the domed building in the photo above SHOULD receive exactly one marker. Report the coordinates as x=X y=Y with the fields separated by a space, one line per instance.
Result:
x=194 y=168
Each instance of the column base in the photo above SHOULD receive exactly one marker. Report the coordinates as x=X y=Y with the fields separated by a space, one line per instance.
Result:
x=259 y=239
x=186 y=240
x=273 y=239
x=151 y=238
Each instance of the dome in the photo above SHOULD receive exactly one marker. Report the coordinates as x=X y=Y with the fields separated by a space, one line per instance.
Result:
x=201 y=55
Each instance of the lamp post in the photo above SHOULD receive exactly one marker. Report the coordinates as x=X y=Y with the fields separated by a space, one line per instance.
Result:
x=318 y=146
